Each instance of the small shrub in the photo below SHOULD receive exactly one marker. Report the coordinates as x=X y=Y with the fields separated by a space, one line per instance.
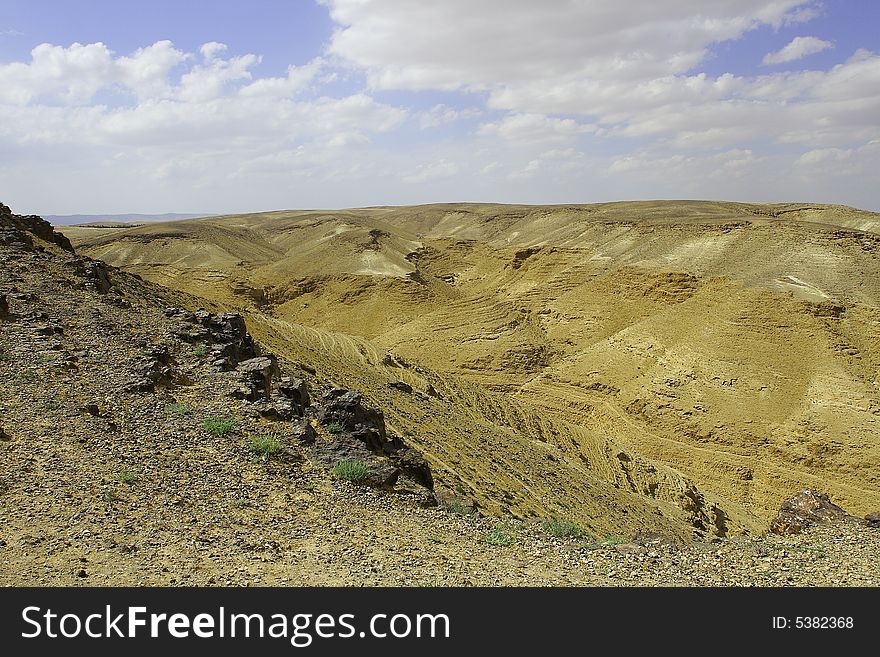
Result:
x=563 y=528
x=499 y=538
x=242 y=503
x=179 y=409
x=218 y=426
x=53 y=405
x=334 y=427
x=351 y=470
x=25 y=376
x=459 y=508
x=201 y=350
x=265 y=444
x=4 y=355
x=109 y=496
x=127 y=476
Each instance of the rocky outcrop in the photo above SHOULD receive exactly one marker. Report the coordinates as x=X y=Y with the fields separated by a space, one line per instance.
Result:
x=872 y=520
x=224 y=335
x=359 y=434
x=37 y=226
x=255 y=378
x=154 y=368
x=805 y=509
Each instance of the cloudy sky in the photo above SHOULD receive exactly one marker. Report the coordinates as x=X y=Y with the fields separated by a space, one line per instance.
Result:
x=169 y=106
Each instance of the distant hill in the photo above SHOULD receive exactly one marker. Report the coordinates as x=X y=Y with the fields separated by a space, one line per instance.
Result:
x=76 y=219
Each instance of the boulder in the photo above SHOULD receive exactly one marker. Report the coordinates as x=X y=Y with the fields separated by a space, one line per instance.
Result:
x=225 y=333
x=872 y=520
x=349 y=410
x=403 y=386
x=806 y=508
x=296 y=391
x=4 y=307
x=255 y=378
x=359 y=433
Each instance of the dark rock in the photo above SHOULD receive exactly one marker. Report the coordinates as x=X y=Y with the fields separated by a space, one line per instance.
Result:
x=804 y=509
x=49 y=329
x=4 y=307
x=296 y=391
x=432 y=392
x=361 y=435
x=277 y=408
x=94 y=274
x=347 y=409
x=3 y=434
x=871 y=520
x=92 y=409
x=255 y=378
x=307 y=368
x=403 y=386
x=381 y=473
x=414 y=465
x=12 y=223
x=226 y=332
x=304 y=432
x=139 y=384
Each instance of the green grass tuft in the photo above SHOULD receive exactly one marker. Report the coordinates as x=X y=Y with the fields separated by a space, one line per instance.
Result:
x=265 y=445
x=179 y=409
x=200 y=351
x=563 y=528
x=334 y=427
x=499 y=538
x=127 y=476
x=218 y=426
x=460 y=508
x=351 y=470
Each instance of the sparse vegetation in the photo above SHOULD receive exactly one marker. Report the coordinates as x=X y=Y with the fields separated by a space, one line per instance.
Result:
x=127 y=476
x=265 y=445
x=179 y=409
x=25 y=376
x=460 y=508
x=218 y=426
x=53 y=405
x=499 y=538
x=608 y=541
x=200 y=351
x=351 y=470
x=4 y=355
x=562 y=528
x=242 y=503
x=334 y=427
x=109 y=496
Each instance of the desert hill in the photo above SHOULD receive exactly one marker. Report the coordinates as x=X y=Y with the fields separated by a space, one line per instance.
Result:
x=146 y=440
x=693 y=363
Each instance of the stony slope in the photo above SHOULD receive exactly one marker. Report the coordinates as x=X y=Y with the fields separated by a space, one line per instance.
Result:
x=708 y=358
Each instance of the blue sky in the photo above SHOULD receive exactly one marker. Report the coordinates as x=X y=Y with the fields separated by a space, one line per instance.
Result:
x=234 y=106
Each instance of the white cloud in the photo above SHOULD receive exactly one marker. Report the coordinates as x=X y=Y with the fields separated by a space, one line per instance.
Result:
x=797 y=48
x=528 y=128
x=498 y=45
x=432 y=171
x=441 y=114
